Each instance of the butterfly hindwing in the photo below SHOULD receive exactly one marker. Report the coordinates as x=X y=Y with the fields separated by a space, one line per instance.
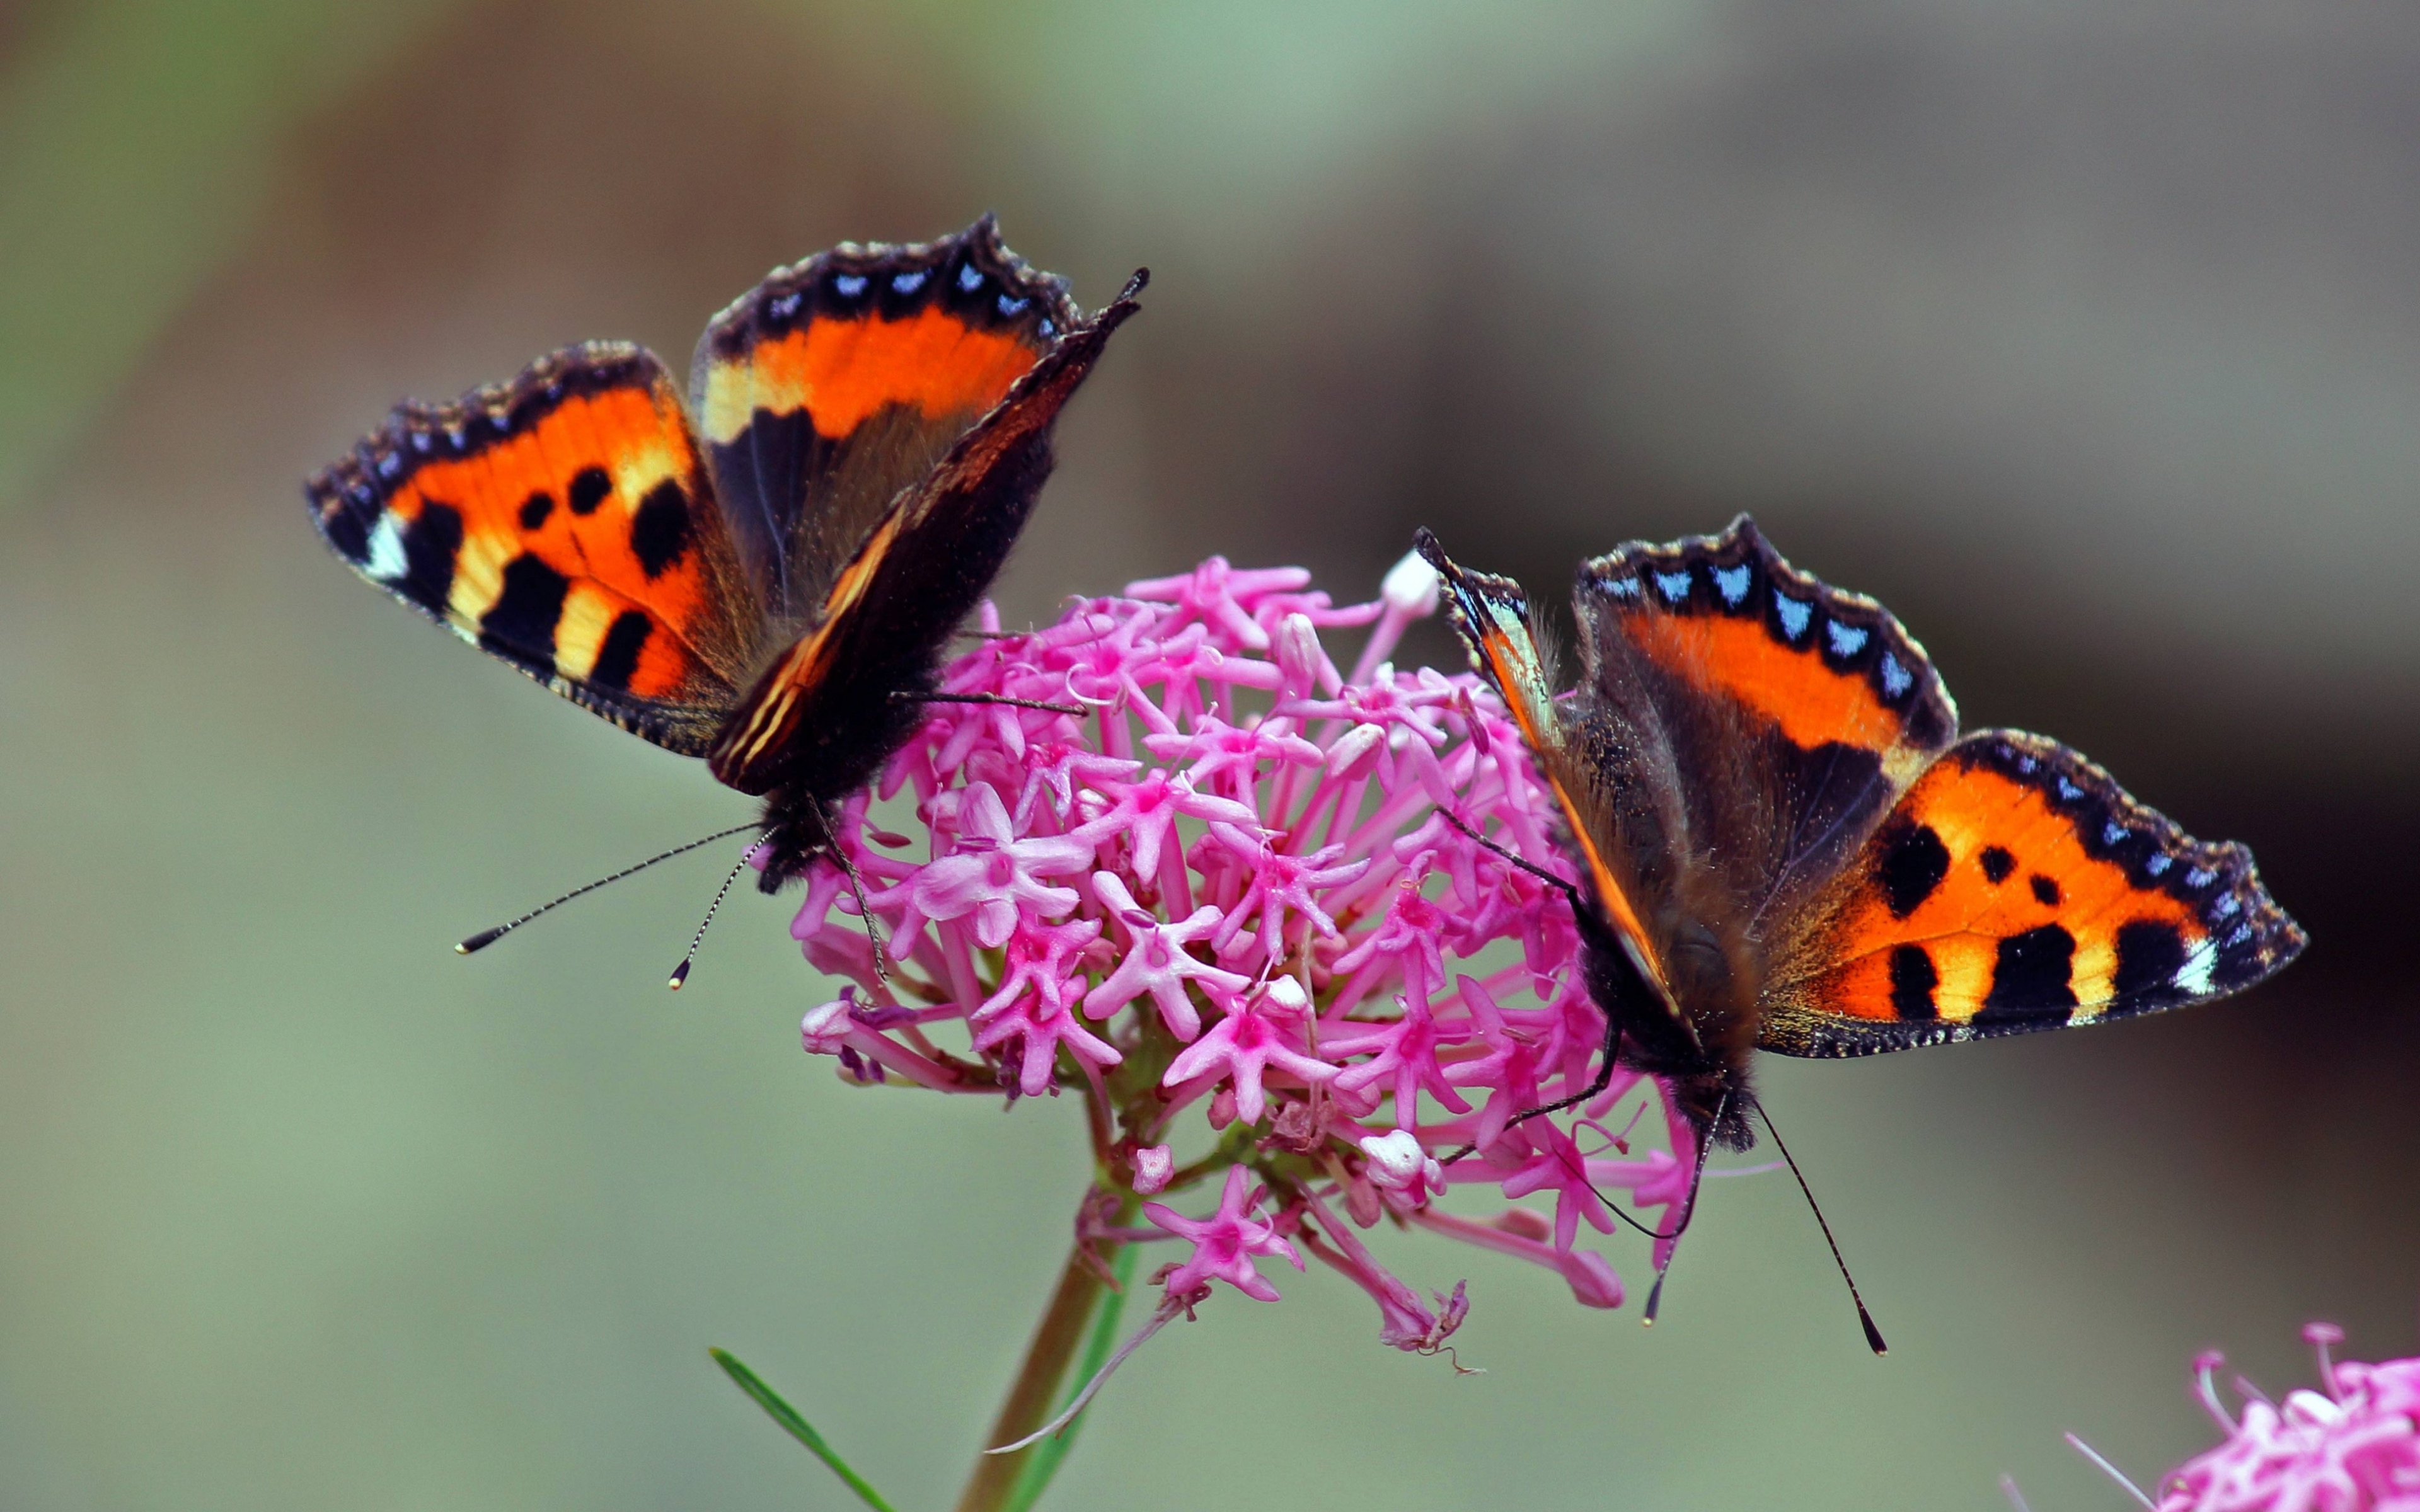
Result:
x=2017 y=888
x=840 y=381
x=563 y=522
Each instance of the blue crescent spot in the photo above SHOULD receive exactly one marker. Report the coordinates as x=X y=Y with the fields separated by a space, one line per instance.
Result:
x=1794 y=615
x=2242 y=932
x=1674 y=586
x=849 y=285
x=1009 y=306
x=907 y=282
x=1047 y=327
x=2225 y=907
x=970 y=278
x=2158 y=865
x=1896 y=678
x=787 y=306
x=1621 y=587
x=389 y=464
x=2068 y=790
x=1847 y=640
x=1731 y=583
x=2199 y=878
x=420 y=440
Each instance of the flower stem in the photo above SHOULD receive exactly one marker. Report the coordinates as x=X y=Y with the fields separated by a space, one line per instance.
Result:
x=1039 y=1379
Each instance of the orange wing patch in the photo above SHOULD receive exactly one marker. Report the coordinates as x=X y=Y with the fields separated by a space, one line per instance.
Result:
x=563 y=522
x=1727 y=614
x=2017 y=888
x=840 y=373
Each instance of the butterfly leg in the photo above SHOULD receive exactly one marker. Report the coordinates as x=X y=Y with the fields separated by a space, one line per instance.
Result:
x=989 y=698
x=1612 y=1031
x=857 y=886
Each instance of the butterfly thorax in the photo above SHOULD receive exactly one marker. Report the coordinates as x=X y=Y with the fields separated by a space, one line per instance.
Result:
x=1703 y=1056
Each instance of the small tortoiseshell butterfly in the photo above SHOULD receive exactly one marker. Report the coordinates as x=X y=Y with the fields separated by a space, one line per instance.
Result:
x=766 y=578
x=1785 y=846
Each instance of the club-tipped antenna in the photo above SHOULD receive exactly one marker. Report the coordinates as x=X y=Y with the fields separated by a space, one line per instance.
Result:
x=680 y=973
x=1873 y=1334
x=1688 y=1213
x=488 y=937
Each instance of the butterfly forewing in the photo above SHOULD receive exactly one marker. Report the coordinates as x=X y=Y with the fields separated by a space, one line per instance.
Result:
x=926 y=564
x=1762 y=721
x=841 y=381
x=565 y=523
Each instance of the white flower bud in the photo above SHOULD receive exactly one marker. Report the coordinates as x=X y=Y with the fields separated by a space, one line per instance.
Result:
x=1151 y=1168
x=1410 y=586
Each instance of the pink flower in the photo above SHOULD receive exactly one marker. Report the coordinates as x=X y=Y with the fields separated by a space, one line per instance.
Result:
x=1224 y=1243
x=1252 y=1037
x=1221 y=907
x=994 y=875
x=1157 y=963
x=2354 y=1447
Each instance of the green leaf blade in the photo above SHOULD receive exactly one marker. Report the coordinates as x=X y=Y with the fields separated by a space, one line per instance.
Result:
x=797 y=1427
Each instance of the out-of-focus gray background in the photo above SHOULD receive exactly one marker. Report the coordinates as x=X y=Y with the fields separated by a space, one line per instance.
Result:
x=2083 y=335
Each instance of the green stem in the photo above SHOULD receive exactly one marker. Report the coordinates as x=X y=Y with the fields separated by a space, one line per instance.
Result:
x=1098 y=1346
x=1040 y=1380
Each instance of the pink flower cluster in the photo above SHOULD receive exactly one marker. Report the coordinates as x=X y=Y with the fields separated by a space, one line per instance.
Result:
x=2356 y=1448
x=1220 y=905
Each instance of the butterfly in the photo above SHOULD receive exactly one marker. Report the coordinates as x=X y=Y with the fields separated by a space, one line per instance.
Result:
x=765 y=578
x=1784 y=845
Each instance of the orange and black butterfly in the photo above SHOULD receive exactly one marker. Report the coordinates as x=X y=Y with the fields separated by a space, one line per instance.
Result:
x=765 y=578
x=1784 y=845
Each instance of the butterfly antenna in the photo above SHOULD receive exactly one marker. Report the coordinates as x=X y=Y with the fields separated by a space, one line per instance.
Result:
x=1873 y=1334
x=488 y=937
x=680 y=973
x=1688 y=1213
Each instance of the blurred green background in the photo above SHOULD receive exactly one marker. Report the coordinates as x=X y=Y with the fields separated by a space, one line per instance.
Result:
x=2084 y=335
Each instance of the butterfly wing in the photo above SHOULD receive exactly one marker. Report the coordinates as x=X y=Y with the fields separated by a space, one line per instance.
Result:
x=2015 y=888
x=1492 y=614
x=563 y=522
x=1763 y=720
x=840 y=381
x=826 y=713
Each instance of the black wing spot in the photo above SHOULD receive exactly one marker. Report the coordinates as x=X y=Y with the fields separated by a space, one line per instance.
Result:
x=1913 y=979
x=617 y=659
x=1997 y=863
x=589 y=488
x=2032 y=981
x=522 y=623
x=660 y=533
x=1912 y=865
x=430 y=543
x=2046 y=890
x=2150 y=953
x=536 y=508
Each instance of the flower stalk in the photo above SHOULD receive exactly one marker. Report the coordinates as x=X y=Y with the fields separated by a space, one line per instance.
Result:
x=1042 y=1380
